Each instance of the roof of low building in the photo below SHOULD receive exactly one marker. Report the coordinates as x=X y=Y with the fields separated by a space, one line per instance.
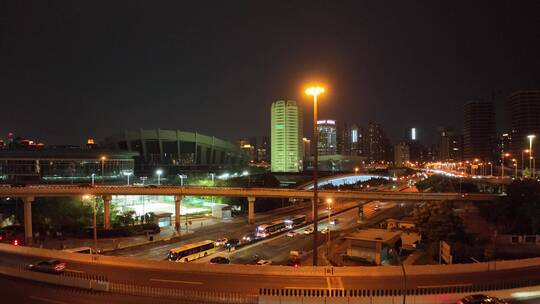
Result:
x=375 y=235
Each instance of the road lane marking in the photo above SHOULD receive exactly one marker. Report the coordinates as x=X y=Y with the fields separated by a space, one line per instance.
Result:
x=46 y=300
x=178 y=282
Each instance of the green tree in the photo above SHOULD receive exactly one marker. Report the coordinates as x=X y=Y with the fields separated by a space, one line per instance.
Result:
x=518 y=212
x=527 y=172
x=437 y=221
x=126 y=218
x=66 y=214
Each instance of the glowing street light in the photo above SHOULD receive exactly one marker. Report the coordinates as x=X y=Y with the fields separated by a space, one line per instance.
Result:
x=329 y=201
x=531 y=137
x=103 y=159
x=158 y=173
x=523 y=160
x=315 y=91
x=127 y=174
x=356 y=170
x=88 y=197
x=503 y=155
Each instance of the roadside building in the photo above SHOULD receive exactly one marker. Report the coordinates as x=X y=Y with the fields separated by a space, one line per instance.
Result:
x=177 y=151
x=65 y=165
x=373 y=245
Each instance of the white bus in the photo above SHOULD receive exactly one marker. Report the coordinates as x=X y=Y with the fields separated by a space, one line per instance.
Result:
x=192 y=251
x=266 y=230
x=295 y=221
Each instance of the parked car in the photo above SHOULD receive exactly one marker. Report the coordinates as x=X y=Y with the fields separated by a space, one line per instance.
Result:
x=334 y=221
x=50 y=266
x=220 y=260
x=264 y=263
x=325 y=230
x=481 y=299
x=220 y=242
x=291 y=234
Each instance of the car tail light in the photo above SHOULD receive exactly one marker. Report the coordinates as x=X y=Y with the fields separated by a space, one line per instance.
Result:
x=15 y=242
x=60 y=266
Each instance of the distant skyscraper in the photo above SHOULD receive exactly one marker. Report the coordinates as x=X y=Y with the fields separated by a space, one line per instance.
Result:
x=450 y=145
x=349 y=139
x=376 y=146
x=524 y=109
x=307 y=147
x=479 y=130
x=248 y=149
x=327 y=141
x=286 y=136
x=263 y=150
x=401 y=154
x=412 y=134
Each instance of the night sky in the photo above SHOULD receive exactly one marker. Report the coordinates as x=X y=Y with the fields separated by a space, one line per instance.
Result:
x=72 y=69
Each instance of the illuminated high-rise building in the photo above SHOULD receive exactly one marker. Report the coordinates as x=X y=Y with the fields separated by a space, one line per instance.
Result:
x=286 y=136
x=327 y=141
x=349 y=139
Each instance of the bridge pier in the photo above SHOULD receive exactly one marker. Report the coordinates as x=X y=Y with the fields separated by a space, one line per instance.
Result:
x=107 y=212
x=251 y=209
x=27 y=200
x=177 y=202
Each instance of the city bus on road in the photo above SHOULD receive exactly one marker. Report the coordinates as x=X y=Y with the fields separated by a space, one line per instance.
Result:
x=295 y=221
x=266 y=230
x=192 y=251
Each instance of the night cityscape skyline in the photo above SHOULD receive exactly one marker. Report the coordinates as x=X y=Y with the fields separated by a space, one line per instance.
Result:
x=264 y=152
x=368 y=67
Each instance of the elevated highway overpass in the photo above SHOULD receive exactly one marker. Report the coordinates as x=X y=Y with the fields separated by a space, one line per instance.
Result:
x=278 y=284
x=106 y=191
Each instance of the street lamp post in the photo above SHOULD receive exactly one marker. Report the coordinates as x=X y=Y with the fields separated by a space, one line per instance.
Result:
x=397 y=257
x=93 y=177
x=531 y=137
x=94 y=219
x=523 y=161
x=182 y=176
x=503 y=155
x=128 y=174
x=329 y=202
x=490 y=169
x=103 y=159
x=315 y=91
x=158 y=173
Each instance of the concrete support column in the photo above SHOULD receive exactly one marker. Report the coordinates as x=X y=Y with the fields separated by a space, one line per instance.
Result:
x=177 y=202
x=251 y=209
x=28 y=219
x=107 y=211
